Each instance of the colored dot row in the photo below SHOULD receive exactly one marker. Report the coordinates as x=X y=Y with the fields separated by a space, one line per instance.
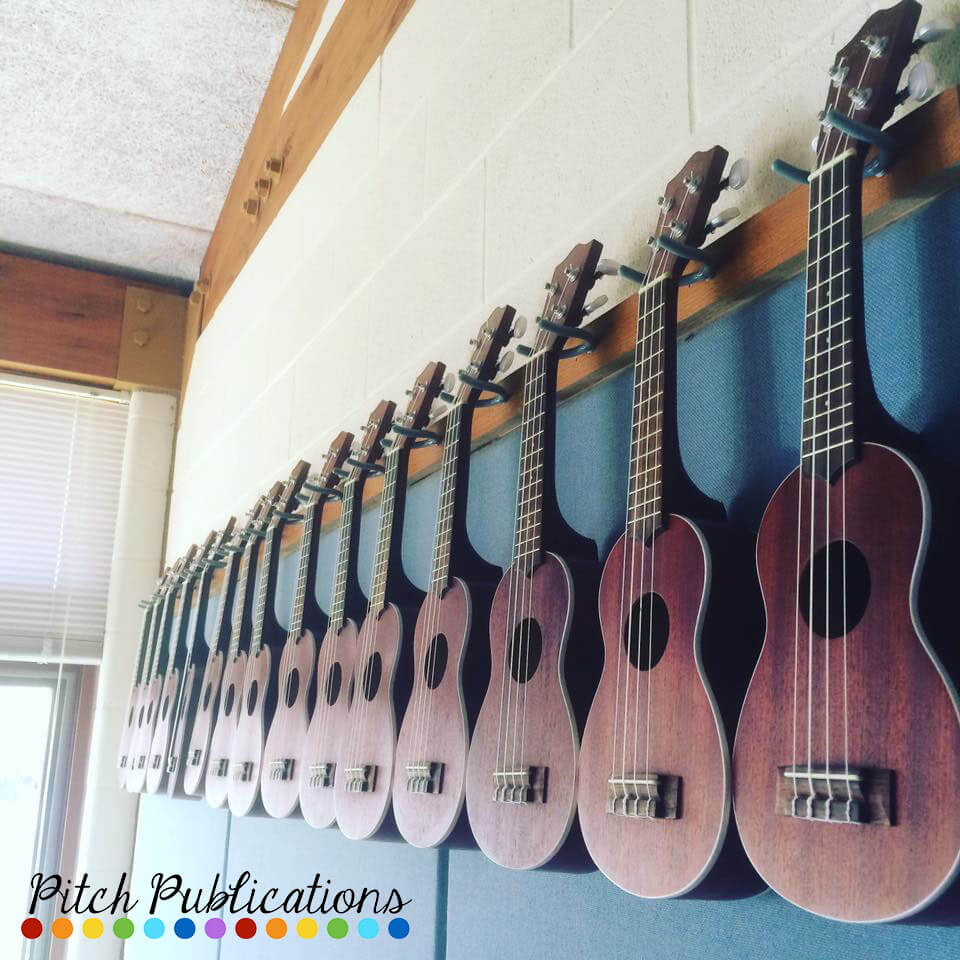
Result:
x=245 y=928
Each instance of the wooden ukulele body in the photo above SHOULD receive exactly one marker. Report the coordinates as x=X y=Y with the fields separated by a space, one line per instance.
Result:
x=143 y=735
x=542 y=731
x=280 y=776
x=246 y=754
x=662 y=721
x=176 y=765
x=902 y=712
x=370 y=735
x=217 y=779
x=435 y=727
x=321 y=751
x=124 y=756
x=160 y=741
x=194 y=762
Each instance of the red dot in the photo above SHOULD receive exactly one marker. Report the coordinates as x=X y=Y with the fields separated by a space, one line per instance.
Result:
x=246 y=928
x=31 y=928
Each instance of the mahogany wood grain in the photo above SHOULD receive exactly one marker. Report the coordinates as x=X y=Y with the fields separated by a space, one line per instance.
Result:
x=516 y=835
x=370 y=735
x=662 y=721
x=902 y=710
x=328 y=723
x=195 y=761
x=435 y=727
x=288 y=729
x=217 y=780
x=259 y=677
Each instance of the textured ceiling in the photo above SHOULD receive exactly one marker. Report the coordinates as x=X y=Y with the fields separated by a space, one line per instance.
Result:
x=122 y=122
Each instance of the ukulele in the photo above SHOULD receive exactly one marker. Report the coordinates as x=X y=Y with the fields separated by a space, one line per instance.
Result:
x=431 y=759
x=150 y=692
x=279 y=778
x=259 y=689
x=170 y=681
x=364 y=777
x=333 y=684
x=205 y=706
x=522 y=765
x=654 y=793
x=846 y=764
x=216 y=780
x=184 y=693
x=152 y=609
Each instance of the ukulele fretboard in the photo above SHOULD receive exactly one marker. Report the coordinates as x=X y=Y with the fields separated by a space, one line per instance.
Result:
x=528 y=532
x=443 y=541
x=342 y=572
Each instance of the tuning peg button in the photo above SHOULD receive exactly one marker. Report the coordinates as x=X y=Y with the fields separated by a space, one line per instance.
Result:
x=739 y=173
x=595 y=304
x=722 y=219
x=449 y=382
x=932 y=31
x=519 y=327
x=921 y=81
x=506 y=361
x=608 y=267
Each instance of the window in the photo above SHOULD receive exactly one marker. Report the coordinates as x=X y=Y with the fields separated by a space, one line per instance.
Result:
x=59 y=486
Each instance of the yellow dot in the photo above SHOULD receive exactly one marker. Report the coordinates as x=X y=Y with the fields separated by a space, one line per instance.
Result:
x=92 y=928
x=61 y=928
x=276 y=928
x=307 y=928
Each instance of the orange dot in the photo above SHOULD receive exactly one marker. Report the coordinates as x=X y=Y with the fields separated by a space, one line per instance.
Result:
x=61 y=928
x=276 y=928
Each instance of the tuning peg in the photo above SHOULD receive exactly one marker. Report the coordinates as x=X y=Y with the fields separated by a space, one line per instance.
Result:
x=595 y=304
x=722 y=219
x=921 y=82
x=449 y=382
x=607 y=267
x=506 y=361
x=519 y=327
x=932 y=31
x=738 y=175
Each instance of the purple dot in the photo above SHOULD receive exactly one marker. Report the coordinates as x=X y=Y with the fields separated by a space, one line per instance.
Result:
x=215 y=928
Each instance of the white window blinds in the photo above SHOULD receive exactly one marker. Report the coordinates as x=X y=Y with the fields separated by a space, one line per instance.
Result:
x=61 y=453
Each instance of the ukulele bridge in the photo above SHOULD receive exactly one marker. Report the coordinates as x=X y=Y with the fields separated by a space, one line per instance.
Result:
x=282 y=769
x=172 y=763
x=243 y=771
x=322 y=774
x=220 y=767
x=839 y=794
x=646 y=796
x=196 y=757
x=361 y=779
x=424 y=777
x=123 y=762
x=523 y=785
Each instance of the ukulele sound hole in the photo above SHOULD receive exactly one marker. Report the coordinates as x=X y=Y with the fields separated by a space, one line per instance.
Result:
x=207 y=694
x=166 y=706
x=293 y=687
x=371 y=676
x=228 y=700
x=334 y=681
x=646 y=631
x=436 y=662
x=525 y=650
x=828 y=618
x=351 y=690
x=132 y=712
x=252 y=698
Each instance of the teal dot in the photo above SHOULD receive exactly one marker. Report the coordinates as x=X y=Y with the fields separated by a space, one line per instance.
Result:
x=398 y=928
x=368 y=928
x=154 y=928
x=184 y=928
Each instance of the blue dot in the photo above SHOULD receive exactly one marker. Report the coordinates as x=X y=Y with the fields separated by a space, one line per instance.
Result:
x=154 y=928
x=368 y=928
x=184 y=928
x=398 y=928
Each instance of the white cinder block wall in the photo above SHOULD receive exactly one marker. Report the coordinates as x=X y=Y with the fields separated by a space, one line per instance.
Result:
x=487 y=140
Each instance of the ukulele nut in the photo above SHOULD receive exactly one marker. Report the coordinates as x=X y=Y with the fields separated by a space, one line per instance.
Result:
x=522 y=785
x=322 y=774
x=361 y=779
x=425 y=776
x=644 y=796
x=838 y=794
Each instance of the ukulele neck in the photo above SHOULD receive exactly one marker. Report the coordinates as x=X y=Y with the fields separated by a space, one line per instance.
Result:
x=226 y=597
x=391 y=521
x=248 y=568
x=264 y=585
x=656 y=333
x=457 y=431
x=346 y=549
x=145 y=633
x=303 y=570
x=833 y=275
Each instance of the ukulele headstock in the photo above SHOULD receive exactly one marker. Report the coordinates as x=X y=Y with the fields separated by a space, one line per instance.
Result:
x=425 y=390
x=684 y=208
x=324 y=483
x=567 y=292
x=494 y=334
x=865 y=75
x=207 y=551
x=286 y=502
x=370 y=448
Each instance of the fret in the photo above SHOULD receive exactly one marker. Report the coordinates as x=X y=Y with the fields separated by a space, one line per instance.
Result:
x=527 y=531
x=831 y=446
x=825 y=329
x=827 y=373
x=341 y=573
x=381 y=567
x=240 y=597
x=836 y=276
x=256 y=638
x=835 y=346
x=300 y=593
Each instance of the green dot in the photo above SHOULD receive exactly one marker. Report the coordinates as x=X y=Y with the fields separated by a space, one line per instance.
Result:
x=337 y=928
x=123 y=928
